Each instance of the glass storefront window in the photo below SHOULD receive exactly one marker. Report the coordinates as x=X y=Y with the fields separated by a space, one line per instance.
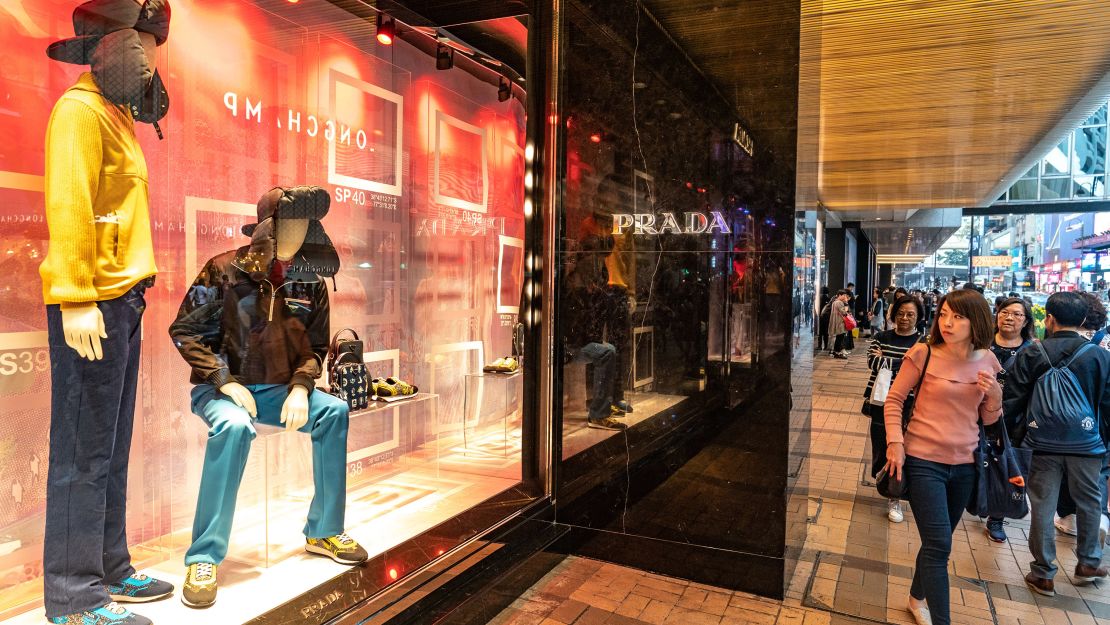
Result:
x=1088 y=186
x=1056 y=162
x=1055 y=188
x=1098 y=118
x=425 y=171
x=1024 y=190
x=1089 y=156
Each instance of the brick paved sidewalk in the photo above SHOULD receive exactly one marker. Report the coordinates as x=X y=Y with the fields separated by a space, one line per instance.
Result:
x=854 y=567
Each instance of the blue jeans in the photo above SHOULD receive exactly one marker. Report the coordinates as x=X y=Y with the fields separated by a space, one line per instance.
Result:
x=603 y=357
x=92 y=412
x=1083 y=475
x=938 y=496
x=230 y=433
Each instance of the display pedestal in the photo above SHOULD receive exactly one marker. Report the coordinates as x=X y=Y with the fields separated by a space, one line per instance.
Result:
x=277 y=485
x=491 y=408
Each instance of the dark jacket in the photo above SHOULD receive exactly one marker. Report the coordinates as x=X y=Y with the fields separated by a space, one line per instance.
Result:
x=260 y=321
x=1091 y=370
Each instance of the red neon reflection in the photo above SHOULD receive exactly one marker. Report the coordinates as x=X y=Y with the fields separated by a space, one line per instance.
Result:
x=596 y=138
x=393 y=574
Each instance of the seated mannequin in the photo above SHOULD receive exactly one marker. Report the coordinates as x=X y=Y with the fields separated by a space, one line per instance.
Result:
x=255 y=349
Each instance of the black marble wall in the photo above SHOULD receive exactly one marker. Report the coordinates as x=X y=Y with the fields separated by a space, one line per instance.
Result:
x=699 y=485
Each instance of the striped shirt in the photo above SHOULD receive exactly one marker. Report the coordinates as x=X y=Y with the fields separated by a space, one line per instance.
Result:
x=887 y=347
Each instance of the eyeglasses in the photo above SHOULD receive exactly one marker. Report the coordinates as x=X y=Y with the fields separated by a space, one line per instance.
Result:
x=909 y=315
x=1011 y=315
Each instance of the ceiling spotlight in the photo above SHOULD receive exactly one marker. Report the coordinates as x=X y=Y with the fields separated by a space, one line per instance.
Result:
x=445 y=57
x=504 y=89
x=387 y=29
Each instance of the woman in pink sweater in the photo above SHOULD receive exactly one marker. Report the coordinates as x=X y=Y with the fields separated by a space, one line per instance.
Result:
x=935 y=452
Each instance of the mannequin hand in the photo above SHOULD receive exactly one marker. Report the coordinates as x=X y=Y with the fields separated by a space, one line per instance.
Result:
x=294 y=412
x=241 y=396
x=83 y=328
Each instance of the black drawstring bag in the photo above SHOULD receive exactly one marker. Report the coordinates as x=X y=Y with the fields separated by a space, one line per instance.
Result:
x=887 y=485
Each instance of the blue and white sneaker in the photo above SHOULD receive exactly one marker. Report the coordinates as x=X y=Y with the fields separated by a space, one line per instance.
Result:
x=111 y=614
x=139 y=588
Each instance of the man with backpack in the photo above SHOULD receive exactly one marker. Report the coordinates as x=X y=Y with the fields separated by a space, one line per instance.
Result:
x=1055 y=393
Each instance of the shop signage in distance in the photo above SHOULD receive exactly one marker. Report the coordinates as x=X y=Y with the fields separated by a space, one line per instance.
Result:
x=743 y=139
x=667 y=223
x=991 y=261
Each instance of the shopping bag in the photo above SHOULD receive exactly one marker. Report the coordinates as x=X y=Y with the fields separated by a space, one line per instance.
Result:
x=850 y=322
x=882 y=384
x=1000 y=472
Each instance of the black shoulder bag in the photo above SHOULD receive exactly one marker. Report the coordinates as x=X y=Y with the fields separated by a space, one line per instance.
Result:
x=346 y=371
x=886 y=483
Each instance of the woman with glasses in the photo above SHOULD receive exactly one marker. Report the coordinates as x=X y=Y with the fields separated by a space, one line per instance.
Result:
x=1013 y=324
x=887 y=350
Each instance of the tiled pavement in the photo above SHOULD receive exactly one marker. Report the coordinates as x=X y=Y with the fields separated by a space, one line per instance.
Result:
x=855 y=566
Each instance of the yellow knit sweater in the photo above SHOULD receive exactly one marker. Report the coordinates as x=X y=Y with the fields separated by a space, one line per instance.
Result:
x=97 y=202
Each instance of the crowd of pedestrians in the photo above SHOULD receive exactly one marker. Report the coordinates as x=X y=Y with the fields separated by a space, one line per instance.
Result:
x=982 y=378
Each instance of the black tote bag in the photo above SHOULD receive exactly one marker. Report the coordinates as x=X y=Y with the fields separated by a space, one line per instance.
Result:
x=1000 y=473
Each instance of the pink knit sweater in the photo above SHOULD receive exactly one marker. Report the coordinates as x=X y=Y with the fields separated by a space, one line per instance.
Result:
x=944 y=426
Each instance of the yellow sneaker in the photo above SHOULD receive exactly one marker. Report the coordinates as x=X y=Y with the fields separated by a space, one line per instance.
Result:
x=199 y=590
x=341 y=548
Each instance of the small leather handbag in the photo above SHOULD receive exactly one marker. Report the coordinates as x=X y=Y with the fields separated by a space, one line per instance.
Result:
x=887 y=485
x=350 y=381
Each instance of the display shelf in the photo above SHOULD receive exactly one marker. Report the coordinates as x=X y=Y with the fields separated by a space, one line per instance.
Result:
x=491 y=407
x=382 y=440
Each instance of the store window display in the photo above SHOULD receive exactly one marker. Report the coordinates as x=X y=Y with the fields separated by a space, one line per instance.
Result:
x=424 y=169
x=255 y=328
x=99 y=265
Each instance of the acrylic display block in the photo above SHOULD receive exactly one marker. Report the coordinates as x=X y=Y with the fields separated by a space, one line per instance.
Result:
x=491 y=412
x=277 y=486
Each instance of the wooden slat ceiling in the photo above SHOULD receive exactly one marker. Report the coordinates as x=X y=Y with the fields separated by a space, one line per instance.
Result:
x=938 y=104
x=910 y=104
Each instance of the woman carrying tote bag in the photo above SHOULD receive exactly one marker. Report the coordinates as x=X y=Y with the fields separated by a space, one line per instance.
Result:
x=935 y=454
x=884 y=357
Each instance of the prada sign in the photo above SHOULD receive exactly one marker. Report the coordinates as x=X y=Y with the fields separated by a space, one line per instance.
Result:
x=668 y=223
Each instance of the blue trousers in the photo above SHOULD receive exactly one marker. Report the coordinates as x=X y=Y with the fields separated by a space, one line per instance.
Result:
x=92 y=411
x=230 y=432
x=938 y=495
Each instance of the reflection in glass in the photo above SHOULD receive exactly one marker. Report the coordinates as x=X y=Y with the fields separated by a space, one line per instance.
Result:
x=1056 y=162
x=1089 y=156
x=1024 y=190
x=1055 y=188
x=1088 y=186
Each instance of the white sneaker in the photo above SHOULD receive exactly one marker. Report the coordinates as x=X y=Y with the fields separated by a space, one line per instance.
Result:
x=920 y=611
x=894 y=511
x=1066 y=525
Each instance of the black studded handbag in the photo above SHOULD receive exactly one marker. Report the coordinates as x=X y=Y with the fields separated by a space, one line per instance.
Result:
x=347 y=373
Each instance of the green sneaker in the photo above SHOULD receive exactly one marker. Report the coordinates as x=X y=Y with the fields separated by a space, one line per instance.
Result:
x=392 y=387
x=341 y=548
x=200 y=586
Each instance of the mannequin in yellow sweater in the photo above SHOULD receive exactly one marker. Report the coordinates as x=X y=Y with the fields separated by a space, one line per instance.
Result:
x=99 y=264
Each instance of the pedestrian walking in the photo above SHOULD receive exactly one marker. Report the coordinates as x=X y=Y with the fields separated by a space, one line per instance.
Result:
x=1013 y=332
x=1053 y=397
x=958 y=389
x=886 y=352
x=837 y=327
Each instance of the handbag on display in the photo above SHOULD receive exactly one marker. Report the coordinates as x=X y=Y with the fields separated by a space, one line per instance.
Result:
x=350 y=381
x=999 y=478
x=850 y=322
x=887 y=485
